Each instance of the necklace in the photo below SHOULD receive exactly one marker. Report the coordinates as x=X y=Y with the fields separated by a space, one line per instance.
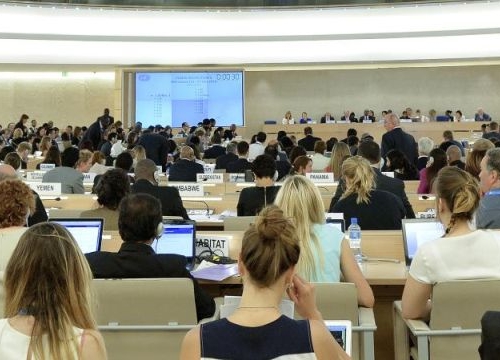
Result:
x=258 y=307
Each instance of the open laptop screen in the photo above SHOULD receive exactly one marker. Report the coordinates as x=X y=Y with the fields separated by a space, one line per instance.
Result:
x=86 y=231
x=417 y=232
x=178 y=238
x=341 y=331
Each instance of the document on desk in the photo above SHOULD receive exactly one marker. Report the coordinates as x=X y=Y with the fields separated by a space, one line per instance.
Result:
x=215 y=272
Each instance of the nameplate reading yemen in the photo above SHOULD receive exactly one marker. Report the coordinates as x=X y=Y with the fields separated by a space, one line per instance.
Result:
x=215 y=178
x=46 y=188
x=189 y=189
x=320 y=177
x=218 y=244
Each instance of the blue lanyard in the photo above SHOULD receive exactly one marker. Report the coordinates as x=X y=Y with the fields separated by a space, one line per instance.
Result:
x=493 y=192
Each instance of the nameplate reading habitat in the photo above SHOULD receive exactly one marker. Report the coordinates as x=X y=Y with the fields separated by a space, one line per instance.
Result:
x=320 y=177
x=189 y=189
x=219 y=245
x=216 y=178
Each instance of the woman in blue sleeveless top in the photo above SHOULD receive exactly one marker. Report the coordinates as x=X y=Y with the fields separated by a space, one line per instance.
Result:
x=257 y=329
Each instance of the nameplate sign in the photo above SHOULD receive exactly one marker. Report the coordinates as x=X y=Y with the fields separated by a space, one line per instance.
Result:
x=405 y=120
x=215 y=178
x=341 y=122
x=388 y=173
x=236 y=177
x=367 y=121
x=89 y=177
x=47 y=167
x=320 y=177
x=219 y=245
x=35 y=176
x=189 y=189
x=209 y=168
x=46 y=188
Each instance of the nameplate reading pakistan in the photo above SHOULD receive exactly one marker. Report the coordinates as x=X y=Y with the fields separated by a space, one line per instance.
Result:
x=215 y=178
x=189 y=189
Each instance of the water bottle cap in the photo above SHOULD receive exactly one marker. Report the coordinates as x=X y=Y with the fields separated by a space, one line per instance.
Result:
x=354 y=220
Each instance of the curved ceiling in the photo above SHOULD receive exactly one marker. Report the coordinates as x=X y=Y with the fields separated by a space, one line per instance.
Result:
x=58 y=35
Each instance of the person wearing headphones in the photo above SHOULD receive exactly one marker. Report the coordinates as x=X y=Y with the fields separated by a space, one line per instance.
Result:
x=253 y=199
x=139 y=224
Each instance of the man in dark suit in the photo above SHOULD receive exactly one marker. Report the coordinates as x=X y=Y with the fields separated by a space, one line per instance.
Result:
x=145 y=182
x=185 y=169
x=106 y=117
x=216 y=149
x=95 y=132
x=156 y=146
x=326 y=118
x=309 y=140
x=139 y=224
x=222 y=161
x=371 y=152
x=396 y=138
x=231 y=133
x=242 y=163
x=366 y=116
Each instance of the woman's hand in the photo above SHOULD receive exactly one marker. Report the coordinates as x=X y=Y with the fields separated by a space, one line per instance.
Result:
x=303 y=294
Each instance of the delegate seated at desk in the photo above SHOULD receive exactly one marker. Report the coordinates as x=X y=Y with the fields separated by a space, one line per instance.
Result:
x=139 y=223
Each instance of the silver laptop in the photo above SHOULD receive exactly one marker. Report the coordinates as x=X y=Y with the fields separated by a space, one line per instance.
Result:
x=179 y=237
x=86 y=231
x=417 y=232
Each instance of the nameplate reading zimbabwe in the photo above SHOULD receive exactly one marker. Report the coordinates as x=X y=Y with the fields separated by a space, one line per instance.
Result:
x=189 y=189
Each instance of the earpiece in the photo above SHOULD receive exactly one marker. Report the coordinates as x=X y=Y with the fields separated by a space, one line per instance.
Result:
x=159 y=230
x=275 y=177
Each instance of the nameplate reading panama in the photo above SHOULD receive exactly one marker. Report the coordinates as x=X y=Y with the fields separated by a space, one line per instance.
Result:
x=320 y=177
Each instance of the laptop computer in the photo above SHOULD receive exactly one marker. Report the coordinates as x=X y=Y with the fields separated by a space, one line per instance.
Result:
x=341 y=331
x=179 y=237
x=419 y=231
x=337 y=223
x=86 y=231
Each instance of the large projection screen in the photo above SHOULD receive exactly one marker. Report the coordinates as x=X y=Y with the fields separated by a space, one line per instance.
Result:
x=173 y=97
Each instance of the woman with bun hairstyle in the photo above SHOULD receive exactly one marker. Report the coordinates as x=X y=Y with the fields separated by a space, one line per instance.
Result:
x=257 y=330
x=48 y=305
x=325 y=254
x=460 y=254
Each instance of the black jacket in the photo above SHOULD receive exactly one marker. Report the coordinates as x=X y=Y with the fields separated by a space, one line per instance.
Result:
x=214 y=152
x=156 y=147
x=253 y=199
x=138 y=260
x=222 y=161
x=308 y=142
x=404 y=142
x=185 y=170
x=238 y=166
x=171 y=202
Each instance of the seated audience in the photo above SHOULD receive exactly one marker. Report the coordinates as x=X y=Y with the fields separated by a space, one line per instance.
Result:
x=241 y=164
x=282 y=166
x=375 y=209
x=257 y=329
x=112 y=187
x=70 y=174
x=216 y=149
x=23 y=150
x=146 y=181
x=230 y=155
x=16 y=203
x=296 y=152
x=397 y=162
x=493 y=135
x=53 y=156
x=309 y=140
x=319 y=160
x=185 y=169
x=98 y=163
x=139 y=224
x=437 y=161
x=14 y=160
x=257 y=148
x=370 y=150
x=340 y=152
x=448 y=140
x=230 y=133
x=461 y=254
x=325 y=253
x=253 y=199
x=48 y=309
x=139 y=153
x=473 y=160
x=302 y=165
x=454 y=157
x=425 y=145
x=488 y=212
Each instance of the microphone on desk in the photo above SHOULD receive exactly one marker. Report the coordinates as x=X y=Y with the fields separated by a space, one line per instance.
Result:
x=203 y=202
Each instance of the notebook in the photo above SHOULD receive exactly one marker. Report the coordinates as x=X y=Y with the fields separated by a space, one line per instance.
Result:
x=419 y=231
x=179 y=237
x=341 y=331
x=86 y=231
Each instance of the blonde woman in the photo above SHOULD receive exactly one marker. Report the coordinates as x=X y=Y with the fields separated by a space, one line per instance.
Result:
x=139 y=154
x=288 y=119
x=339 y=153
x=48 y=300
x=374 y=209
x=325 y=254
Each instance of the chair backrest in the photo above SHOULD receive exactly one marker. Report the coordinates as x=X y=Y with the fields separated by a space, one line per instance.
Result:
x=337 y=301
x=239 y=223
x=460 y=305
x=145 y=301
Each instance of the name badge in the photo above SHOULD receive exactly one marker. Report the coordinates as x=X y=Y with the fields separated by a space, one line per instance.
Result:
x=320 y=177
x=215 y=178
x=46 y=188
x=236 y=177
x=209 y=168
x=47 y=167
x=218 y=244
x=189 y=189
x=388 y=173
x=35 y=176
x=89 y=177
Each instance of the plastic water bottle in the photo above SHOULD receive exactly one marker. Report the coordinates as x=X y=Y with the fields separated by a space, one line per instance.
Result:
x=354 y=233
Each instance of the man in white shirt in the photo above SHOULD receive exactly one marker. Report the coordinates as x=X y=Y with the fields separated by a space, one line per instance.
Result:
x=257 y=148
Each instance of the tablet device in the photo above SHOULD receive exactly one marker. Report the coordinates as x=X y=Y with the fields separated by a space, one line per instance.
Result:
x=341 y=331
